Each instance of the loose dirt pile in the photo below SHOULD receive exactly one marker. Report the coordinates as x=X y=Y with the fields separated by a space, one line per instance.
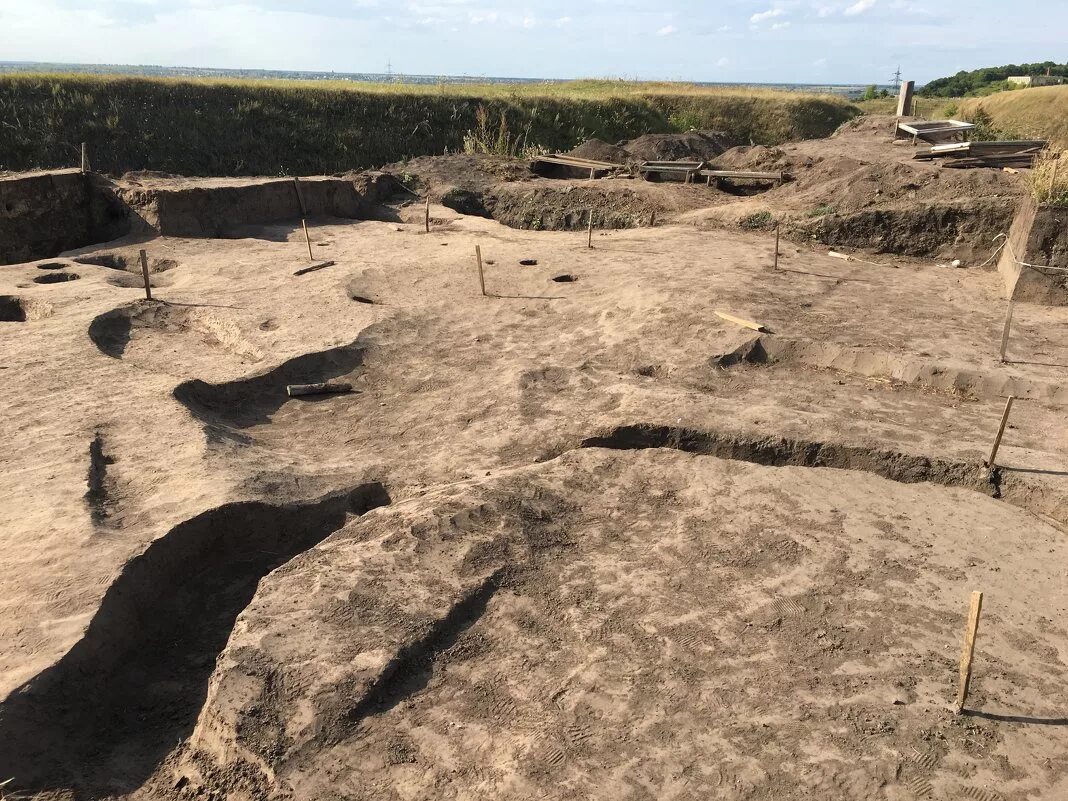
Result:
x=695 y=145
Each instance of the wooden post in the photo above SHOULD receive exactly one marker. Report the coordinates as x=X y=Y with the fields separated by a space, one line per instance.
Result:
x=307 y=238
x=904 y=100
x=589 y=231
x=428 y=214
x=1005 y=332
x=652 y=219
x=776 y=265
x=85 y=157
x=300 y=197
x=481 y=275
x=975 y=607
x=1001 y=432
x=592 y=174
x=144 y=274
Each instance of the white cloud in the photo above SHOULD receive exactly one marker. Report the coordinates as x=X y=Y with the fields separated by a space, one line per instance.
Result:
x=529 y=22
x=819 y=62
x=778 y=26
x=562 y=21
x=859 y=7
x=667 y=30
x=771 y=13
x=723 y=62
x=723 y=28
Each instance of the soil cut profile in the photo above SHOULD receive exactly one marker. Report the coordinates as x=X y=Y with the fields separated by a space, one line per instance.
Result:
x=471 y=499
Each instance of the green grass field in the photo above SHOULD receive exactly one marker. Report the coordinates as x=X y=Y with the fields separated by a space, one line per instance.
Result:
x=237 y=127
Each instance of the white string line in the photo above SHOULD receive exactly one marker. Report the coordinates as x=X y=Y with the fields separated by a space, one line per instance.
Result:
x=1012 y=252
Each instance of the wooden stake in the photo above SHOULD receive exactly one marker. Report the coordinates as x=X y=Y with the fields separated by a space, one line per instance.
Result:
x=1005 y=332
x=85 y=157
x=428 y=214
x=1001 y=432
x=652 y=219
x=592 y=174
x=300 y=197
x=589 y=231
x=144 y=274
x=307 y=238
x=481 y=275
x=739 y=321
x=776 y=265
x=975 y=607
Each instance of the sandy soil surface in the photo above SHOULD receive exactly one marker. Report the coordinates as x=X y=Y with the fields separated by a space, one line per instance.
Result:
x=567 y=540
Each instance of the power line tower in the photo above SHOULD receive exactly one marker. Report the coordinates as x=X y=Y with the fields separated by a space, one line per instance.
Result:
x=897 y=79
x=389 y=72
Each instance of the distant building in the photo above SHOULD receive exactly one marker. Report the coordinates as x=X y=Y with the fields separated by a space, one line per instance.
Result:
x=1035 y=80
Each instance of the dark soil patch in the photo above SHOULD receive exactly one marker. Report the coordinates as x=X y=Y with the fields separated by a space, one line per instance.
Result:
x=53 y=265
x=598 y=150
x=566 y=278
x=697 y=145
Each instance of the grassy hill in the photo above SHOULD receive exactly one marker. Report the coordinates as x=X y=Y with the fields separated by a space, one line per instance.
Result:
x=236 y=127
x=1041 y=112
x=988 y=79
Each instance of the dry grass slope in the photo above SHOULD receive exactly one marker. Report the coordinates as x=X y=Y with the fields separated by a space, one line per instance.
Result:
x=1038 y=112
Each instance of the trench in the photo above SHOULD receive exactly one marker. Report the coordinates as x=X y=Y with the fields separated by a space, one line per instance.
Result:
x=99 y=721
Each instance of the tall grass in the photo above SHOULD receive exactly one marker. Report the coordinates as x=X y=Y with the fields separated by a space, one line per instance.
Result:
x=1040 y=112
x=1049 y=178
x=236 y=127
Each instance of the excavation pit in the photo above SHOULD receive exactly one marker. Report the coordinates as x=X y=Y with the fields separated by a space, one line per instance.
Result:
x=56 y=278
x=14 y=309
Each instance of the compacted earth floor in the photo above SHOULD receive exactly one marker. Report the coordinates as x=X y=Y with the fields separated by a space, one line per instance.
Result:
x=576 y=537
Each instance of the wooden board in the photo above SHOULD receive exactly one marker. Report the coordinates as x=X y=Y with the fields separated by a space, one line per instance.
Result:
x=740 y=321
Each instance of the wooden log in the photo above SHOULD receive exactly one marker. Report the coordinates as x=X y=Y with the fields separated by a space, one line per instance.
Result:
x=307 y=238
x=975 y=608
x=144 y=274
x=312 y=268
x=481 y=275
x=324 y=388
x=1001 y=432
x=834 y=254
x=904 y=99
x=1006 y=329
x=740 y=321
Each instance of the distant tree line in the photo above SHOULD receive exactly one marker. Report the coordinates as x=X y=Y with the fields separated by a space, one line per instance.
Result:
x=988 y=79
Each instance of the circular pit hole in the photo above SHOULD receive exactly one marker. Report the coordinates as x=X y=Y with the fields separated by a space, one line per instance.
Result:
x=565 y=278
x=56 y=278
x=528 y=262
x=52 y=265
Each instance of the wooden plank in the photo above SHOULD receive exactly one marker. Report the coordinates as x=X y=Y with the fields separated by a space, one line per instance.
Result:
x=975 y=608
x=739 y=321
x=904 y=99
x=585 y=164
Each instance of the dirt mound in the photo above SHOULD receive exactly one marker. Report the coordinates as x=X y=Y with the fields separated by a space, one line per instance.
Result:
x=599 y=150
x=437 y=175
x=698 y=145
x=566 y=205
x=753 y=157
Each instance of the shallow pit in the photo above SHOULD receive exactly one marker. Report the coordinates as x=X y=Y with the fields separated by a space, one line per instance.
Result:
x=565 y=278
x=130 y=264
x=14 y=309
x=53 y=265
x=56 y=278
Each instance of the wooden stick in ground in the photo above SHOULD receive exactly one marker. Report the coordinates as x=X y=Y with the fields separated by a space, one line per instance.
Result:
x=1001 y=432
x=974 y=609
x=307 y=238
x=1005 y=332
x=144 y=274
x=427 y=221
x=481 y=275
x=776 y=265
x=85 y=157
x=739 y=321
x=300 y=196
x=589 y=231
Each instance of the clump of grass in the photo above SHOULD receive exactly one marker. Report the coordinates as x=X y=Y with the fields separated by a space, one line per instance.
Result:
x=820 y=211
x=757 y=221
x=1049 y=178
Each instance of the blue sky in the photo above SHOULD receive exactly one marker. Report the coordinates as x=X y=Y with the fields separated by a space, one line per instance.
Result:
x=803 y=41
